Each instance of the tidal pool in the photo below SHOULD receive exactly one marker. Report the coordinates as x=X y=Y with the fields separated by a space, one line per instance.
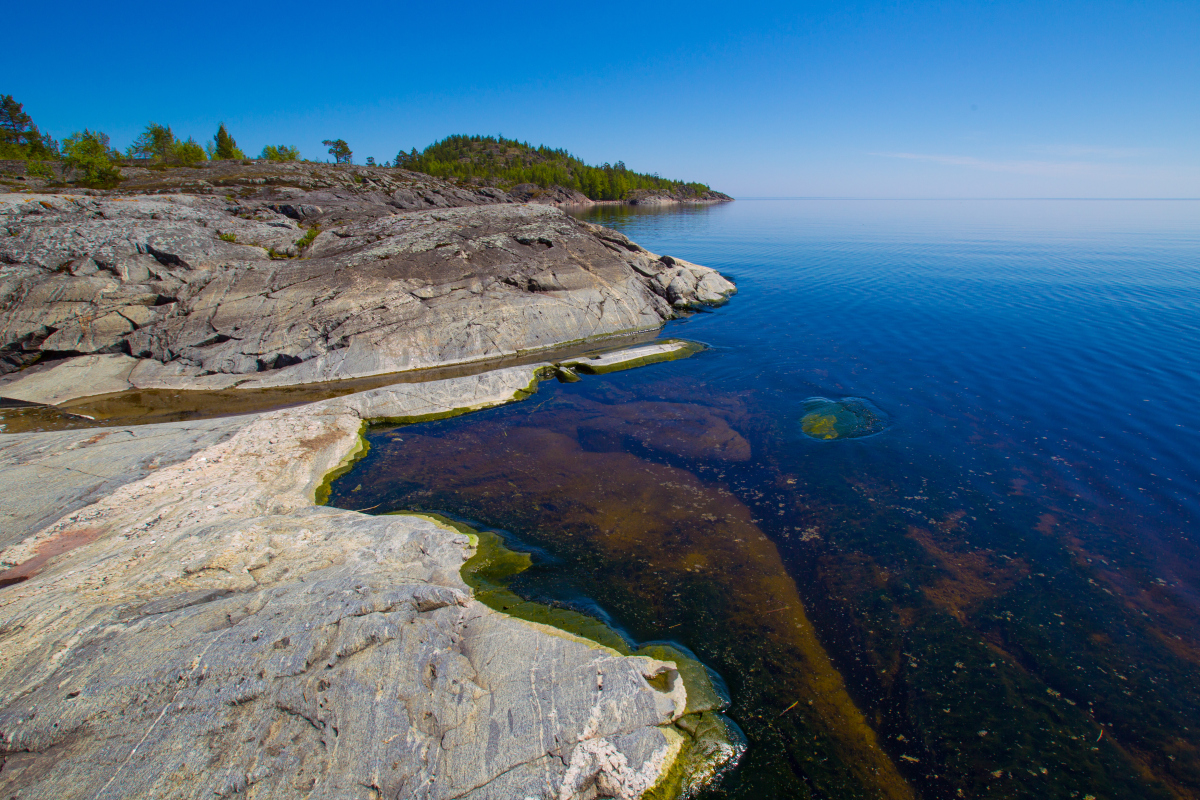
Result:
x=147 y=406
x=996 y=597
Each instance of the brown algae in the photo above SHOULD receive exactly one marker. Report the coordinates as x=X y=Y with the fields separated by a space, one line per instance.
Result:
x=667 y=549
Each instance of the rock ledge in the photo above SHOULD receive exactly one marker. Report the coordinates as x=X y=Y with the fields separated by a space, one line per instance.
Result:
x=280 y=286
x=207 y=630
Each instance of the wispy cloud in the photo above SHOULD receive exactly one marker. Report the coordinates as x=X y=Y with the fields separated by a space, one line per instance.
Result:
x=1052 y=168
x=1091 y=151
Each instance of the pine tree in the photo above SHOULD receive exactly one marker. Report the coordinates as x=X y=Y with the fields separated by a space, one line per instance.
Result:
x=339 y=150
x=226 y=148
x=156 y=141
x=19 y=137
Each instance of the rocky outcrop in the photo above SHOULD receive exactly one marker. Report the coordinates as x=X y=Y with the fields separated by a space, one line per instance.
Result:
x=555 y=195
x=205 y=630
x=285 y=285
x=178 y=618
x=647 y=197
x=49 y=475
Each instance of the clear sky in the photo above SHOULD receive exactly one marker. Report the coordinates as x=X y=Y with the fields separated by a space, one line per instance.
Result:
x=900 y=99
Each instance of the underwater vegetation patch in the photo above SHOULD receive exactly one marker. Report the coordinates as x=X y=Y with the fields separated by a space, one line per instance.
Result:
x=848 y=418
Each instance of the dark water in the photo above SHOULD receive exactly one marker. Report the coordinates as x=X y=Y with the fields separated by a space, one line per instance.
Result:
x=993 y=595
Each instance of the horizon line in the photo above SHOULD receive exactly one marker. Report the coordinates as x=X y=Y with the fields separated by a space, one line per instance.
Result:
x=862 y=197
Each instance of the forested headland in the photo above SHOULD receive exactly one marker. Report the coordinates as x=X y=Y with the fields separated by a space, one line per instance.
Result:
x=505 y=163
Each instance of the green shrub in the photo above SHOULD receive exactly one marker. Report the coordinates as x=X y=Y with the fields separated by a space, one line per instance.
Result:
x=90 y=154
x=280 y=153
x=188 y=152
x=308 y=237
x=227 y=237
x=39 y=169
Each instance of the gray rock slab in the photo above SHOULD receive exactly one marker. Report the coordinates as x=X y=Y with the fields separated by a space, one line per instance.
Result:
x=45 y=476
x=197 y=286
x=206 y=630
x=75 y=377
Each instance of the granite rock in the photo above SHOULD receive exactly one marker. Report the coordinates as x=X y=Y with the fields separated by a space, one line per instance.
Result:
x=206 y=630
x=200 y=286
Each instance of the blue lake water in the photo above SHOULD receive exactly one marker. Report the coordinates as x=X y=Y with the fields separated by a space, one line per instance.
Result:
x=994 y=596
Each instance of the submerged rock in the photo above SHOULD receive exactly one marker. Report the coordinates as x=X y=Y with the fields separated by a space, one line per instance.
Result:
x=848 y=418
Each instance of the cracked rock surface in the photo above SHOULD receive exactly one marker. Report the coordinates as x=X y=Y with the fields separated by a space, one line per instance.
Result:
x=204 y=630
x=284 y=285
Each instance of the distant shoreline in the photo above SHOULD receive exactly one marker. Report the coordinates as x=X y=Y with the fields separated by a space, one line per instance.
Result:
x=648 y=201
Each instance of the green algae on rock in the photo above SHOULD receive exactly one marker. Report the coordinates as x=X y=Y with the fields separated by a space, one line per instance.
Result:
x=570 y=485
x=710 y=743
x=487 y=573
x=361 y=448
x=665 y=350
x=283 y=620
x=848 y=418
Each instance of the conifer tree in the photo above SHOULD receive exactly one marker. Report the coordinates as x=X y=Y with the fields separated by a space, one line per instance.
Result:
x=156 y=142
x=497 y=161
x=339 y=150
x=19 y=137
x=226 y=148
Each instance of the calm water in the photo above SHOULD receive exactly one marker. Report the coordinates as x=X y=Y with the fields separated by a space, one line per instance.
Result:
x=995 y=596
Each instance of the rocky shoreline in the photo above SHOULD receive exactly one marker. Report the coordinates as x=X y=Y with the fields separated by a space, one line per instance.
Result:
x=283 y=285
x=207 y=629
x=214 y=175
x=178 y=618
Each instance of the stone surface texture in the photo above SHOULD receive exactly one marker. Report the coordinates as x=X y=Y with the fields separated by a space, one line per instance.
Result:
x=47 y=475
x=204 y=630
x=287 y=284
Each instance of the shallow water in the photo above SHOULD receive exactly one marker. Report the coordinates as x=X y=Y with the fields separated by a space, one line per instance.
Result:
x=994 y=595
x=147 y=406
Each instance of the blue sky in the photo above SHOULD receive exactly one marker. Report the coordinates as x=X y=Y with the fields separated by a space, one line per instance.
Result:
x=912 y=99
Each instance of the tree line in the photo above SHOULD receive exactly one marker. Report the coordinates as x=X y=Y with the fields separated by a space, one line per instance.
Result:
x=92 y=156
x=480 y=160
